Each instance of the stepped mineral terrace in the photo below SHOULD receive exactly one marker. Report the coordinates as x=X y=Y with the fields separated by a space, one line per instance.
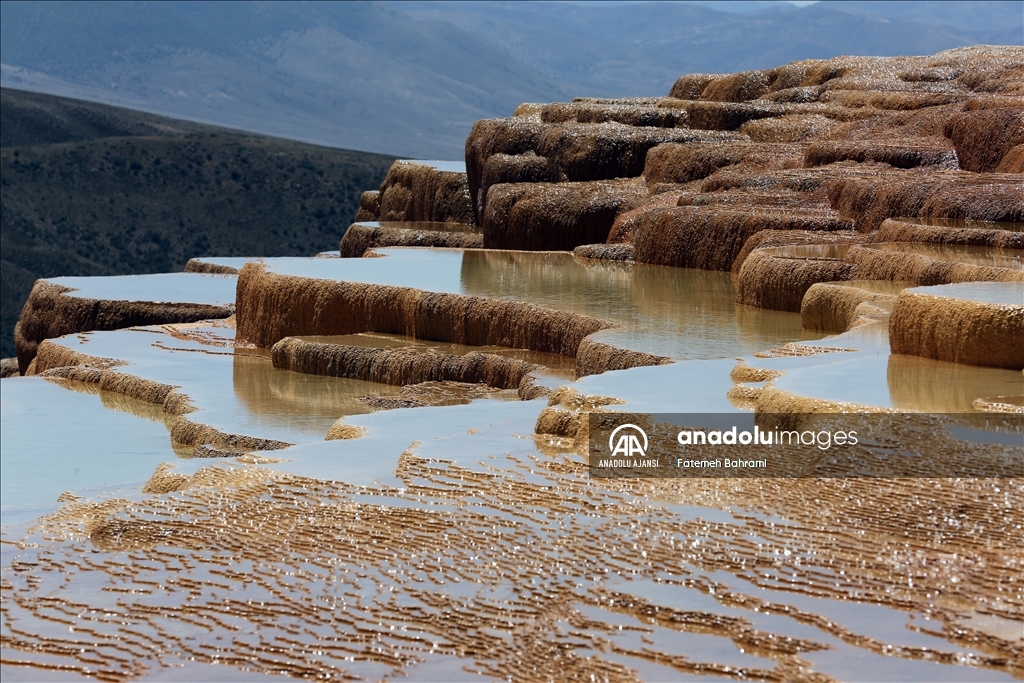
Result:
x=372 y=463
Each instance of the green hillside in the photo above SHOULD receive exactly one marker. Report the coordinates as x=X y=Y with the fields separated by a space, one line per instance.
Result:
x=88 y=189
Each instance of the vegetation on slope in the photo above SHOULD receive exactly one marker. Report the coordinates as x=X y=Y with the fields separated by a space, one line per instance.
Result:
x=87 y=189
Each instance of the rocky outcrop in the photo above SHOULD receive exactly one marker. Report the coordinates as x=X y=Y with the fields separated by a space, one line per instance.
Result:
x=923 y=269
x=9 y=368
x=713 y=237
x=562 y=152
x=556 y=216
x=948 y=232
x=769 y=279
x=829 y=307
x=398 y=366
x=594 y=358
x=369 y=206
x=683 y=163
x=908 y=153
x=941 y=194
x=361 y=237
x=605 y=252
x=414 y=191
x=986 y=139
x=50 y=312
x=198 y=265
x=271 y=307
x=947 y=327
x=768 y=239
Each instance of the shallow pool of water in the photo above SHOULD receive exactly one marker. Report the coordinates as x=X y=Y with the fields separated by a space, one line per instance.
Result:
x=1006 y=293
x=192 y=288
x=56 y=439
x=238 y=392
x=440 y=165
x=677 y=312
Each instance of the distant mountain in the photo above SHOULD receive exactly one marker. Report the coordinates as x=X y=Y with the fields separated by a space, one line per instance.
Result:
x=411 y=78
x=640 y=49
x=88 y=189
x=349 y=74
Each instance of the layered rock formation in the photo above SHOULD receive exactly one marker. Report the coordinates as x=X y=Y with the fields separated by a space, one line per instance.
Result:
x=815 y=148
x=974 y=324
x=419 y=191
x=51 y=311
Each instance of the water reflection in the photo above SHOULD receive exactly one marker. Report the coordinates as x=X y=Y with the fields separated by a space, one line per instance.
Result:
x=926 y=385
x=296 y=401
x=680 y=312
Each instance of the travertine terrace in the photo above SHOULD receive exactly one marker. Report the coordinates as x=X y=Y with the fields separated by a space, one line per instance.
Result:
x=376 y=459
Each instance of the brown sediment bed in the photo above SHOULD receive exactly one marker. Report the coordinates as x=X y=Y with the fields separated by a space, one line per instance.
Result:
x=436 y=393
x=752 y=85
x=1013 y=162
x=725 y=116
x=570 y=151
x=198 y=265
x=778 y=402
x=594 y=358
x=800 y=127
x=398 y=366
x=566 y=415
x=556 y=216
x=771 y=280
x=622 y=229
x=984 y=139
x=767 y=239
x=272 y=307
x=359 y=238
x=50 y=313
x=414 y=191
x=907 y=153
x=832 y=307
x=9 y=368
x=712 y=237
x=605 y=252
x=683 y=163
x=369 y=206
x=958 y=330
x=645 y=115
x=892 y=101
x=936 y=194
x=951 y=232
x=921 y=269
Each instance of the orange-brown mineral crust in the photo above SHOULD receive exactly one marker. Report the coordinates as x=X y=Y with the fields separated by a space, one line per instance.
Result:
x=958 y=330
x=50 y=313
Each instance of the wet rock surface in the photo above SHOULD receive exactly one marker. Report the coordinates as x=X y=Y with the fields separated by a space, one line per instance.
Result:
x=381 y=462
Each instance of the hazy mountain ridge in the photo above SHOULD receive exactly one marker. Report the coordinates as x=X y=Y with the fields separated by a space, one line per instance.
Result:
x=411 y=78
x=126 y=192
